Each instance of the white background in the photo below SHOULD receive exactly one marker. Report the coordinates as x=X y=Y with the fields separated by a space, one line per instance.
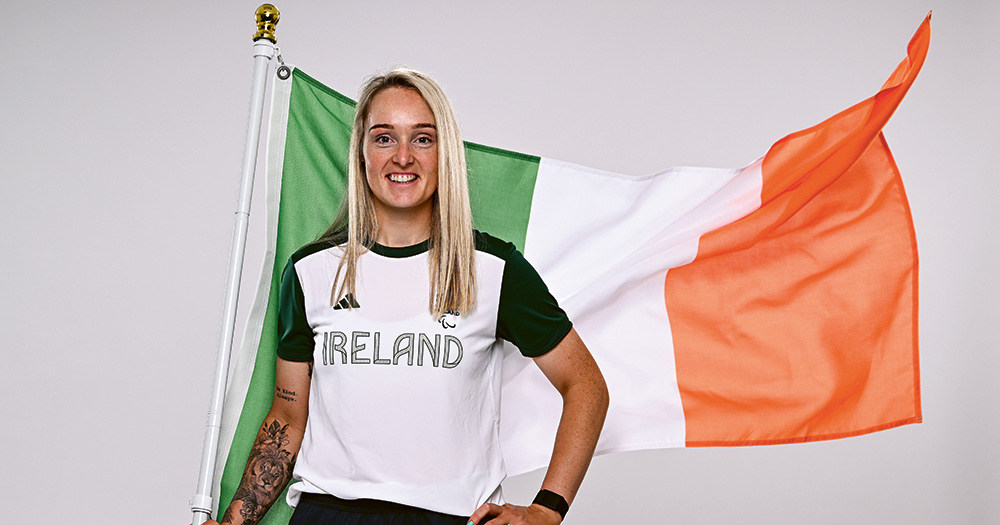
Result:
x=122 y=132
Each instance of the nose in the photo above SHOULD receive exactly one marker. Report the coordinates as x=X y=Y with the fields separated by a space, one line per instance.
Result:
x=403 y=154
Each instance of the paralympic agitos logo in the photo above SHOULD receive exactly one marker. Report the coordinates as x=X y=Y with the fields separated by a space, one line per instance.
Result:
x=449 y=319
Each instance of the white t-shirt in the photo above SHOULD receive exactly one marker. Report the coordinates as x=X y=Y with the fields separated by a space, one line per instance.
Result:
x=405 y=407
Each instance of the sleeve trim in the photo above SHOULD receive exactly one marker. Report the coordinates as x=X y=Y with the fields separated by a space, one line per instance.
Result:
x=552 y=341
x=294 y=355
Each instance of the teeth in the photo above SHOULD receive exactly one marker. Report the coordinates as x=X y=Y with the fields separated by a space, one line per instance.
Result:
x=402 y=177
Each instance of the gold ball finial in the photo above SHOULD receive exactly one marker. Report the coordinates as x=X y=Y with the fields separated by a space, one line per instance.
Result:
x=267 y=17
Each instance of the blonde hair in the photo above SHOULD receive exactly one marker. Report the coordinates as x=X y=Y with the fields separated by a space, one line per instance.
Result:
x=451 y=252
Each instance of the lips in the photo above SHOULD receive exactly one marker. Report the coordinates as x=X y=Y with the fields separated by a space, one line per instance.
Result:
x=402 y=178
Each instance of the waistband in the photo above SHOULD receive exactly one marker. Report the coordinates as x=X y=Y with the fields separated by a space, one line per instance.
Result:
x=362 y=505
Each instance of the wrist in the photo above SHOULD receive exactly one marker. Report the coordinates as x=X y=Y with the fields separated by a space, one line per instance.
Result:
x=553 y=516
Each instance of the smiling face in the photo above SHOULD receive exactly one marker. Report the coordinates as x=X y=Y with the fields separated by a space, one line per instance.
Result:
x=400 y=150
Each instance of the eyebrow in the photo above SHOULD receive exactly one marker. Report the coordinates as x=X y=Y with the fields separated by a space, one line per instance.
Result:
x=389 y=126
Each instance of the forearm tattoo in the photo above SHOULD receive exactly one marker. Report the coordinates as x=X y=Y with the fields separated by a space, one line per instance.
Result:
x=284 y=393
x=268 y=469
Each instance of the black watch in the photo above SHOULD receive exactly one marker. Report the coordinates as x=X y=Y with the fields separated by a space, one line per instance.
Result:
x=549 y=499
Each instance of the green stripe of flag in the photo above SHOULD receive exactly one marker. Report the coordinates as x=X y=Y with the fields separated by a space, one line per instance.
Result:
x=501 y=184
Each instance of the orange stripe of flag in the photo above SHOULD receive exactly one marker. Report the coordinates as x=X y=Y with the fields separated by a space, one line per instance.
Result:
x=798 y=322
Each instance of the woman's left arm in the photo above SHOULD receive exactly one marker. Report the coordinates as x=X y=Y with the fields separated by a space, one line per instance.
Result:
x=574 y=373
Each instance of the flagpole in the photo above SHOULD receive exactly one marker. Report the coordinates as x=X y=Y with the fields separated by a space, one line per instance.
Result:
x=263 y=50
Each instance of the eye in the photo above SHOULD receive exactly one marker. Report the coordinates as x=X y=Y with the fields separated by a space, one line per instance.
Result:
x=424 y=140
x=381 y=140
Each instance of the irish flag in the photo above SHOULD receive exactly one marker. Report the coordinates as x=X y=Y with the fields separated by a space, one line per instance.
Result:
x=774 y=303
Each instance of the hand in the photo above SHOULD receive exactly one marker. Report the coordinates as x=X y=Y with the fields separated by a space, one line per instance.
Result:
x=515 y=515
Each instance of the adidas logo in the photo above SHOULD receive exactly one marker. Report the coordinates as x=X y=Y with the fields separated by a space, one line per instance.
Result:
x=347 y=302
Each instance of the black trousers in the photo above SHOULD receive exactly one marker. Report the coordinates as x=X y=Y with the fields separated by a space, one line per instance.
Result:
x=316 y=509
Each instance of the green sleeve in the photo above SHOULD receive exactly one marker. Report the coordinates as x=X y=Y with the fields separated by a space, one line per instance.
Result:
x=529 y=315
x=295 y=336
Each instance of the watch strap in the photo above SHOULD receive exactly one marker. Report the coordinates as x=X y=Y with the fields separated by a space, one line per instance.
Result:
x=549 y=499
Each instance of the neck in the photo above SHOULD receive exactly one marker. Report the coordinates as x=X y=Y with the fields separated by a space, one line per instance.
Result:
x=399 y=230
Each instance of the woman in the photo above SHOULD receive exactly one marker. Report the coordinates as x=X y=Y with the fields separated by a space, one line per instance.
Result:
x=387 y=379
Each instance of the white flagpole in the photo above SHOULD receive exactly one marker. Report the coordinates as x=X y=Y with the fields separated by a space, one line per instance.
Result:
x=267 y=17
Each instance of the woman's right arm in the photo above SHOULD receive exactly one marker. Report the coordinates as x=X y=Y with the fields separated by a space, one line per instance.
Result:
x=269 y=467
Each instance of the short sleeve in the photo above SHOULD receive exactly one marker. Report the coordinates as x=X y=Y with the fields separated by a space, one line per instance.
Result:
x=295 y=336
x=529 y=315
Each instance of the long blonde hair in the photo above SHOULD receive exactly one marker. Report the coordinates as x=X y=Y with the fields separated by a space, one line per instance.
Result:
x=452 y=247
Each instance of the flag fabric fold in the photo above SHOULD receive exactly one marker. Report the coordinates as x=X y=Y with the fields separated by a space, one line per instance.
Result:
x=775 y=303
